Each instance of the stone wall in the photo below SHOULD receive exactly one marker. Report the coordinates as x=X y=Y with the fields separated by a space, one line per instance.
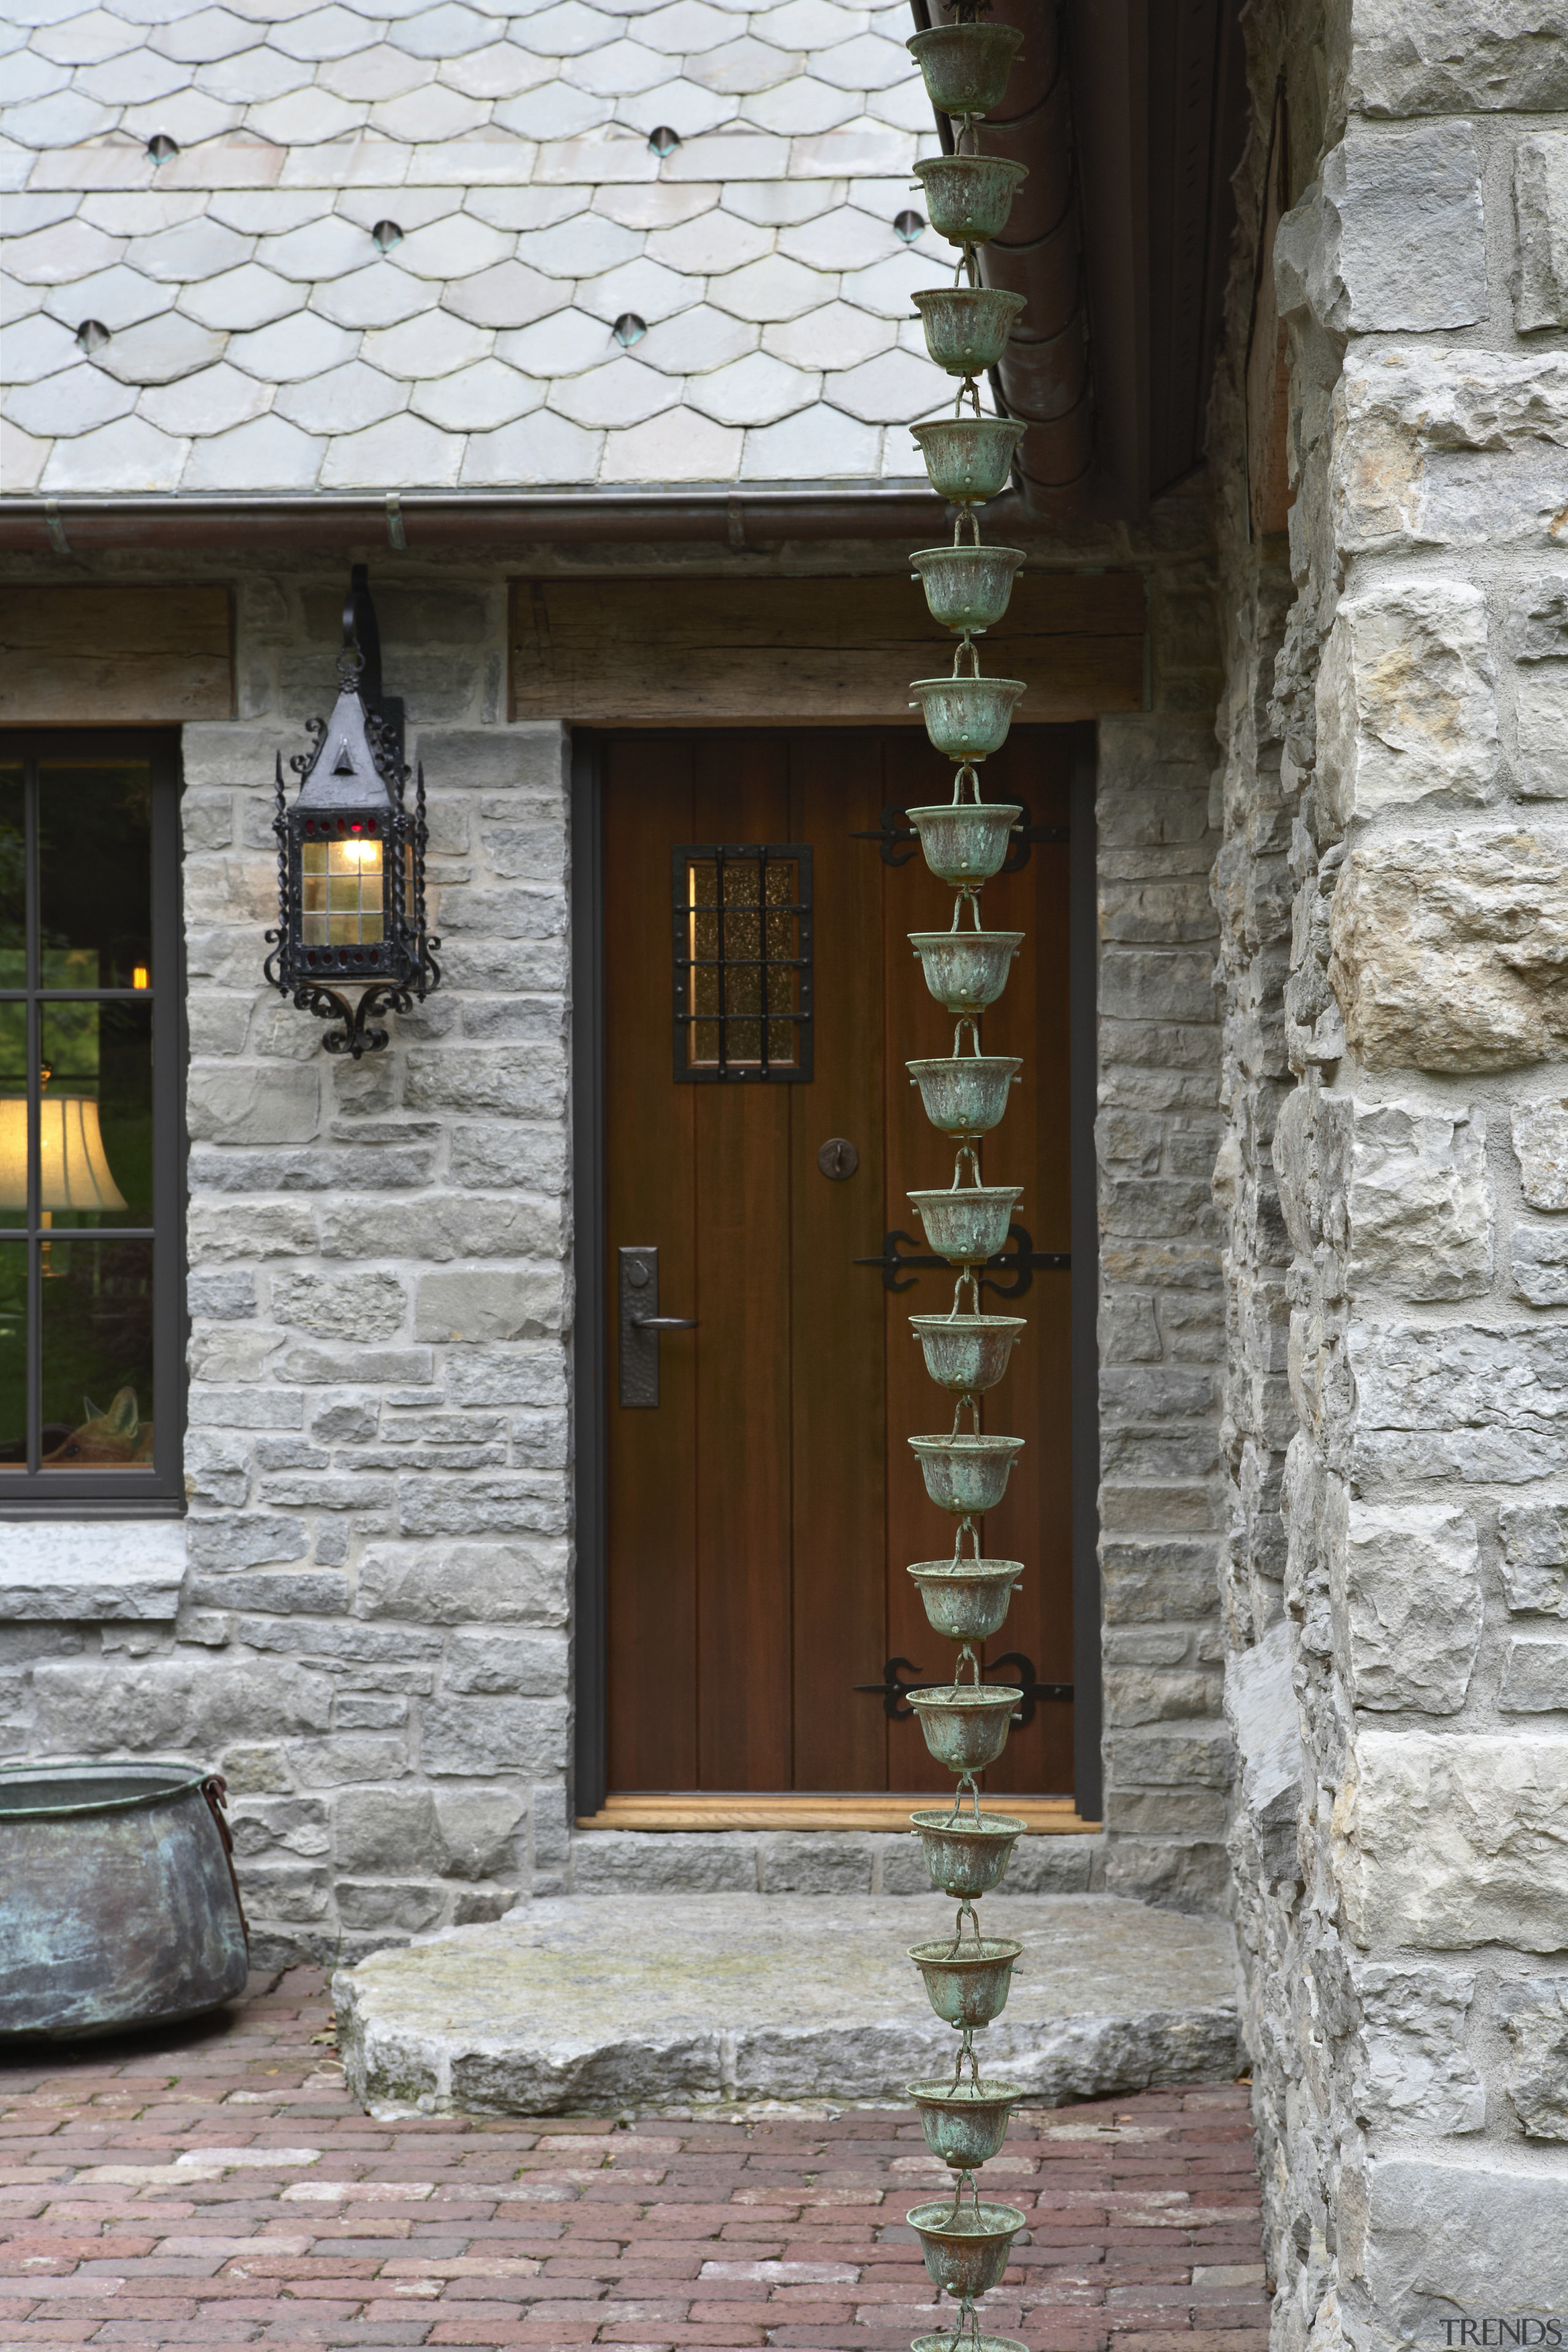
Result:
x=1393 y=1174
x=365 y=1620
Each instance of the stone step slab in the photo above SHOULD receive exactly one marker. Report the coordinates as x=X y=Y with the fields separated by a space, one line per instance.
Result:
x=587 y=2006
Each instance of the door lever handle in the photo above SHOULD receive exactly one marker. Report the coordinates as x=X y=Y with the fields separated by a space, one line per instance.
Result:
x=664 y=1323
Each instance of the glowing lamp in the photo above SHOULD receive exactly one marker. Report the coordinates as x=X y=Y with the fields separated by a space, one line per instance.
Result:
x=73 y=1168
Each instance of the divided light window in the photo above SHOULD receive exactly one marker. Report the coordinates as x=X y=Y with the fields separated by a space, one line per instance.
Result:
x=92 y=1177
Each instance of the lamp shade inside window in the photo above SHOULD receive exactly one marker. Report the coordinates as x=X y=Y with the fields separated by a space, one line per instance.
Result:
x=74 y=1171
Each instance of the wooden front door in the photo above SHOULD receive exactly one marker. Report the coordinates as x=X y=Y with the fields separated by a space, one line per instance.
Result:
x=762 y=1514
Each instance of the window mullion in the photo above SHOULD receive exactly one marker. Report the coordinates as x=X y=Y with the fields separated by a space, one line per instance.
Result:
x=34 y=1050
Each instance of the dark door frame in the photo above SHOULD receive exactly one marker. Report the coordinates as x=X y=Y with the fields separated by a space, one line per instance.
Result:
x=590 y=1372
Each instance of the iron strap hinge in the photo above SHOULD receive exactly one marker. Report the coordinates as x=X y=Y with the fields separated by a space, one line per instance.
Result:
x=1032 y=1692
x=1024 y=1261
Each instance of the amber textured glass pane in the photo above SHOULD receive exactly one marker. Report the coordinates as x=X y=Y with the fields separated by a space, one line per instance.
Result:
x=95 y=837
x=98 y=1401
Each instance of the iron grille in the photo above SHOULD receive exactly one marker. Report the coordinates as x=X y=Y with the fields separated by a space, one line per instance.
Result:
x=741 y=927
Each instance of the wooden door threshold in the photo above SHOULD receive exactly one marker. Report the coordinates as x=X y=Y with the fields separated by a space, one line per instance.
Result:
x=699 y=1809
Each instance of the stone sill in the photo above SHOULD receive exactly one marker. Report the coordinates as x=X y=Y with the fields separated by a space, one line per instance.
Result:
x=90 y=1570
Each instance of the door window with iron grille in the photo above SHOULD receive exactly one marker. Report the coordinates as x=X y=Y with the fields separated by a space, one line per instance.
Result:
x=91 y=1134
x=742 y=927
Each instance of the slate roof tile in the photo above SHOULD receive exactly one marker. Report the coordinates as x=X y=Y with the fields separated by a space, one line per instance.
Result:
x=160 y=351
x=757 y=390
x=22 y=212
x=403 y=450
x=252 y=77
x=836 y=335
x=211 y=402
x=36 y=347
x=478 y=399
x=129 y=455
x=197 y=38
x=696 y=340
x=512 y=153
x=541 y=449
x=820 y=443
x=76 y=401
x=22 y=457
x=449 y=31
x=248 y=296
x=345 y=400
x=19 y=301
x=561 y=346
x=621 y=392
x=377 y=70
x=86 y=39
x=678 y=447
x=292 y=349
x=510 y=295
x=116 y=298
x=409 y=350
x=269 y=455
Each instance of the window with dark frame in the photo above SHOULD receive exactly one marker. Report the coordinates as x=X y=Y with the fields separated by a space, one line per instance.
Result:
x=742 y=955
x=91 y=1132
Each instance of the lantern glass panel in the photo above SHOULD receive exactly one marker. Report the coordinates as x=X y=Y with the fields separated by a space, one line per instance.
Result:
x=341 y=893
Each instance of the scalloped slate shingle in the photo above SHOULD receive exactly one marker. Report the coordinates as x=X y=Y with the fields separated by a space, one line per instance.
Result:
x=260 y=340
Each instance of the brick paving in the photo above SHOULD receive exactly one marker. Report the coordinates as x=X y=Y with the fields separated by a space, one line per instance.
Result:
x=215 y=2185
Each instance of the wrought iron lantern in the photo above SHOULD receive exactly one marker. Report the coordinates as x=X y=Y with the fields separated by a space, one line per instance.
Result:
x=350 y=856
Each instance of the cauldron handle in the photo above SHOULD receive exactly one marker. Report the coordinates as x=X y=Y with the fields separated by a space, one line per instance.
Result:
x=214 y=1788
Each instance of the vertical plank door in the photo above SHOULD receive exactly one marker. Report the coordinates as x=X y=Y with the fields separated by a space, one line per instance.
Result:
x=763 y=1516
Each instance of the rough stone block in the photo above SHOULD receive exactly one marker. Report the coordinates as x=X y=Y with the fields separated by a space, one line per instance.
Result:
x=1450 y=56
x=1406 y=703
x=384 y=1903
x=1471 y=2237
x=520 y=1082
x=1534 y=1558
x=488 y=1303
x=368 y=1711
x=1414 y=2071
x=478 y=1584
x=171 y=1703
x=1393 y=236
x=1420 y=1200
x=304 y=1592
x=1541 y=1147
x=391 y=1367
x=347 y=1758
x=1177 y=1875
x=524 y=1502
x=1053 y=1865
x=1472 y=1402
x=1540 y=212
x=1533 y=2012
x=253 y=1102
x=1450 y=1841
x=480 y=1831
x=246 y=1540
x=630 y=1861
x=479 y=1737
x=1538 y=1262
x=530 y=757
x=391 y=1830
x=1535 y=1677
x=534 y=1665
x=1453 y=448
x=819 y=1862
x=1406 y=1586
x=1260 y=1707
x=510 y=1154
x=1446 y=951
x=366 y=1305
x=438 y=1226
x=549 y=1821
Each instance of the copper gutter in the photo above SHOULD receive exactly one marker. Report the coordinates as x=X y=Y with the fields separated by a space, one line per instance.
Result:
x=739 y=521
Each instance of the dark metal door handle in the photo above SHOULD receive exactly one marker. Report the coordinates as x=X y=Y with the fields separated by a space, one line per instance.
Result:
x=639 y=1323
x=663 y=1323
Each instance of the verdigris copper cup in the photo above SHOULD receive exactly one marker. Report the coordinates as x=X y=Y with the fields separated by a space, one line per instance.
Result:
x=966 y=1601
x=965 y=1723
x=967 y=1853
x=965 y=2124
x=967 y=1983
x=969 y=459
x=967 y=1353
x=966 y=842
x=967 y=1476
x=967 y=971
x=965 y=1094
x=967 y=718
x=970 y=1224
x=965 y=67
x=967 y=327
x=969 y=198
x=966 y=2255
x=967 y=588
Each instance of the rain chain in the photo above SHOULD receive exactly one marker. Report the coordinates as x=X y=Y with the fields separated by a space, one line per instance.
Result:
x=968 y=196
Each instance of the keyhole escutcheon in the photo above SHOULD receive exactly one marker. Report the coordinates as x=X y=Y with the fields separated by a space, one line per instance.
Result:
x=838 y=1159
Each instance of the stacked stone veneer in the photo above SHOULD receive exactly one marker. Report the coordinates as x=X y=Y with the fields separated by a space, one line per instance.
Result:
x=1393 y=891
x=365 y=1620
